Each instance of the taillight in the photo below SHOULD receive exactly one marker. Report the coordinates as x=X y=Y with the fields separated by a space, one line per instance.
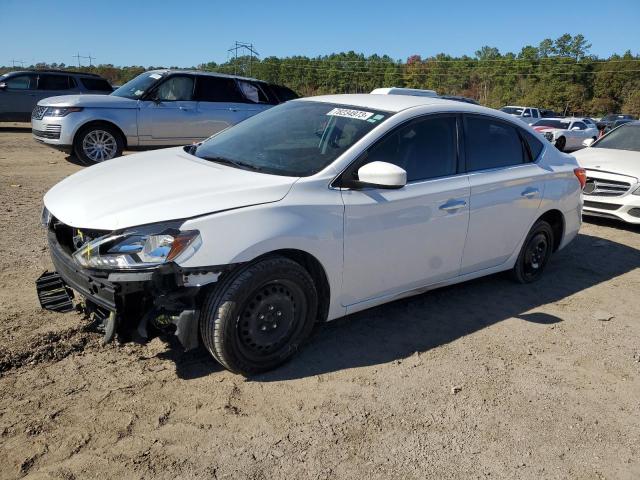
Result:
x=581 y=175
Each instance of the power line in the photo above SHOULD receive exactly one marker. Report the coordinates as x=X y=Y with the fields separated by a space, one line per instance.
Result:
x=469 y=69
x=78 y=57
x=21 y=62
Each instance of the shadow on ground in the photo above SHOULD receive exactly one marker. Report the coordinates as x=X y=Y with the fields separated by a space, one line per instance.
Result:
x=15 y=129
x=417 y=324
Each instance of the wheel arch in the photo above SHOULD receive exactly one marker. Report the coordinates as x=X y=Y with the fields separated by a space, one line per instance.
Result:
x=555 y=218
x=98 y=122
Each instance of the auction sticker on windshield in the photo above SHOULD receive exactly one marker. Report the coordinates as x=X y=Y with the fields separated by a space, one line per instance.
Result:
x=348 y=113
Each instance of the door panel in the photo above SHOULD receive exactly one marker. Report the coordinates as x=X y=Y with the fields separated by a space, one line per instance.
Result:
x=171 y=118
x=397 y=240
x=503 y=206
x=213 y=117
x=506 y=191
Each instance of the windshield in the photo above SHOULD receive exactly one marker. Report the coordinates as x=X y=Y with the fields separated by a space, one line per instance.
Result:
x=626 y=137
x=512 y=110
x=552 y=124
x=135 y=88
x=297 y=139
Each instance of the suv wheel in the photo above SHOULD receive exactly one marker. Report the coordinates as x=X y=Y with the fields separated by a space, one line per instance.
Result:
x=97 y=143
x=560 y=143
x=258 y=316
x=535 y=253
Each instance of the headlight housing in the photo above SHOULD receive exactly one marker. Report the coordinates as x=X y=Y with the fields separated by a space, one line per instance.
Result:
x=60 y=111
x=141 y=247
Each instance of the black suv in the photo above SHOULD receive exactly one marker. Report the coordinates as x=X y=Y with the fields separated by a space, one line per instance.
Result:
x=21 y=91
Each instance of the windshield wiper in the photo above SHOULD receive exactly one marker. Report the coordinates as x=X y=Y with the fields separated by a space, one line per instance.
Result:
x=235 y=163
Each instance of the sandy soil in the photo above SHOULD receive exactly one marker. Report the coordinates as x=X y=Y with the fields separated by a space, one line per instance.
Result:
x=484 y=379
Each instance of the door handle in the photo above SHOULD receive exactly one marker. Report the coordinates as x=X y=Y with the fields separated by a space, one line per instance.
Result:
x=184 y=109
x=233 y=109
x=453 y=205
x=530 y=192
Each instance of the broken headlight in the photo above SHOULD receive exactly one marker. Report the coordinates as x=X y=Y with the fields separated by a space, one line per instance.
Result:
x=139 y=248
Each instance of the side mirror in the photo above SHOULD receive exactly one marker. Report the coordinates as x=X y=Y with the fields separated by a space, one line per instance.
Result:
x=587 y=142
x=575 y=129
x=526 y=115
x=3 y=85
x=381 y=175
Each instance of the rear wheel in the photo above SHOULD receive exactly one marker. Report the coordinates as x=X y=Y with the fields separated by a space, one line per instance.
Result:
x=560 y=143
x=97 y=143
x=257 y=317
x=535 y=253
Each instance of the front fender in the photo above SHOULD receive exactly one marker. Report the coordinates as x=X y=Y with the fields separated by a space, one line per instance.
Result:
x=241 y=235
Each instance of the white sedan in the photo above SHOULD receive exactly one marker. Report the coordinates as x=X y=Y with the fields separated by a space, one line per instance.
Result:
x=566 y=133
x=309 y=211
x=613 y=174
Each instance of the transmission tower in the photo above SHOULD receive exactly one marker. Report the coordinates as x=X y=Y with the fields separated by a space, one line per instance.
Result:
x=247 y=47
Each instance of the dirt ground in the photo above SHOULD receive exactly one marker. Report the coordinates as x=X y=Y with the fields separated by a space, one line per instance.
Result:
x=485 y=379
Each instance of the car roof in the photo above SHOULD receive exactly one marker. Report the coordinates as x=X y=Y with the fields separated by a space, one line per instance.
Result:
x=397 y=103
x=61 y=72
x=203 y=73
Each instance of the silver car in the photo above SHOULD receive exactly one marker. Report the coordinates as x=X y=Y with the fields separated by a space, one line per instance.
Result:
x=20 y=91
x=157 y=108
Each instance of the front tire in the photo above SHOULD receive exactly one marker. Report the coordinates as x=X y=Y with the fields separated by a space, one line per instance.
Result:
x=97 y=143
x=258 y=316
x=561 y=143
x=535 y=253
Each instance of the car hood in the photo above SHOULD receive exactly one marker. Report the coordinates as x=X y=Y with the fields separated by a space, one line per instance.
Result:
x=95 y=101
x=158 y=186
x=623 y=162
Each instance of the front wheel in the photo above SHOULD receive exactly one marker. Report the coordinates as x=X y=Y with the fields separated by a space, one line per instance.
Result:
x=258 y=316
x=561 y=143
x=535 y=253
x=97 y=143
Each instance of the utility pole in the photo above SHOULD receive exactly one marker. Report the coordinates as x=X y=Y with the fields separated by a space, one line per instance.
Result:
x=240 y=46
x=17 y=61
x=78 y=57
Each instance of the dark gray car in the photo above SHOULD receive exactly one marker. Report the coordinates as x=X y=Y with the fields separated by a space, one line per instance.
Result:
x=21 y=91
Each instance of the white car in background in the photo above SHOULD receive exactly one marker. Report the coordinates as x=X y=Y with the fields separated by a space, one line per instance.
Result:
x=613 y=174
x=566 y=133
x=526 y=114
x=309 y=211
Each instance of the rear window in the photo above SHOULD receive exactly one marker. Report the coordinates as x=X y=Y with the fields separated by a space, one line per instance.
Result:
x=55 y=82
x=99 y=84
x=217 y=89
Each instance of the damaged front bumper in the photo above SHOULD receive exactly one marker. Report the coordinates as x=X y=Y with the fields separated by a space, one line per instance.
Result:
x=166 y=297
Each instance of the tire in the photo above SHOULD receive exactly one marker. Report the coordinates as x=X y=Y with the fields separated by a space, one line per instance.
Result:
x=258 y=316
x=535 y=253
x=560 y=143
x=106 y=140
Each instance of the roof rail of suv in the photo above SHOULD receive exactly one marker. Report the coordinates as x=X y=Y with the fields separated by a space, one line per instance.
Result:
x=53 y=70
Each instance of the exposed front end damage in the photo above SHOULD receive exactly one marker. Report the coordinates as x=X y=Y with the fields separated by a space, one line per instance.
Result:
x=137 y=303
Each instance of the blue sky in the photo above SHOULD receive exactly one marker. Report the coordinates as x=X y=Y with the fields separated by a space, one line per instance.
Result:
x=187 y=33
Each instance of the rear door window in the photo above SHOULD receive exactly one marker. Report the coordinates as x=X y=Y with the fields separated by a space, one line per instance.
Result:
x=21 y=82
x=217 y=89
x=55 y=82
x=491 y=143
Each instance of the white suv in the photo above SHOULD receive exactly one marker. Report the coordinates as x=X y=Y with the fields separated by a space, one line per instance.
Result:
x=304 y=213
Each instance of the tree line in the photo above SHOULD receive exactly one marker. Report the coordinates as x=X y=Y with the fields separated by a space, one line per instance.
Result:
x=556 y=74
